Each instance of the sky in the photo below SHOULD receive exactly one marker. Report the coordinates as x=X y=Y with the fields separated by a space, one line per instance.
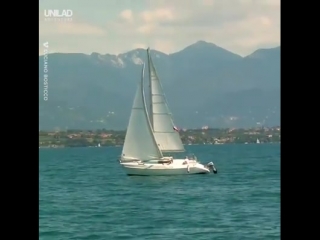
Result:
x=118 y=26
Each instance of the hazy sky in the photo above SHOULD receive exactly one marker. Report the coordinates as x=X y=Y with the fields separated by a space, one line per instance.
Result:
x=116 y=26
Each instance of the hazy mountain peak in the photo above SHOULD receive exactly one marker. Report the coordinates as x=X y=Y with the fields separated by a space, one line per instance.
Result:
x=138 y=55
x=95 y=54
x=135 y=56
x=204 y=48
x=202 y=43
x=107 y=59
x=265 y=52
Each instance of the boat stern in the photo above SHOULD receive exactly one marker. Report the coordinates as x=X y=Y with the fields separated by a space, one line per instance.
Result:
x=200 y=168
x=210 y=166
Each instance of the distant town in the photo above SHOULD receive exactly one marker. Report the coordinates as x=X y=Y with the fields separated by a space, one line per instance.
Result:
x=205 y=135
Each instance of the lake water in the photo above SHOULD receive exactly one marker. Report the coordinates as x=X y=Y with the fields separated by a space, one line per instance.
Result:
x=85 y=194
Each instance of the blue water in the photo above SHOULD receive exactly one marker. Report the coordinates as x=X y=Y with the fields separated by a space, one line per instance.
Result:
x=84 y=194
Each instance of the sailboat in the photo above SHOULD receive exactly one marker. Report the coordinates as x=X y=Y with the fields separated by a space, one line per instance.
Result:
x=151 y=136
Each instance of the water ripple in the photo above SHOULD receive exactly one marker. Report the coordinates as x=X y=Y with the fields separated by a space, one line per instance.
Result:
x=84 y=194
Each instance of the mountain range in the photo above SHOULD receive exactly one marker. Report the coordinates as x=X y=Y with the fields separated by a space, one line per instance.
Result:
x=204 y=85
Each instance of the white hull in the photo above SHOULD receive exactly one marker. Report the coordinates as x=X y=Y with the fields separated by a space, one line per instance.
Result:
x=156 y=169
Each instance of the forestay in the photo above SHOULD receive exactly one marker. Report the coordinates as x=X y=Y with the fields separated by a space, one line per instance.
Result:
x=139 y=141
x=166 y=137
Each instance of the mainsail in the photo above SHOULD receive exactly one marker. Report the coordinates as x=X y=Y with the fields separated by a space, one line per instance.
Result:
x=167 y=138
x=139 y=141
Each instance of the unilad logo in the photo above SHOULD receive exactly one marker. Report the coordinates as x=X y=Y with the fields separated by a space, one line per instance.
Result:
x=58 y=15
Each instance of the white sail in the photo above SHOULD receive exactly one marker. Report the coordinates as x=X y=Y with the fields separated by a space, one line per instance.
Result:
x=167 y=138
x=139 y=142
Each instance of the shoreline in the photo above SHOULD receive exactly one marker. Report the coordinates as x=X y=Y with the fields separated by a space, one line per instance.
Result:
x=119 y=146
x=204 y=136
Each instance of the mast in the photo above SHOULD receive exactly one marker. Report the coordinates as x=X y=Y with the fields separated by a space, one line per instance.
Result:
x=150 y=88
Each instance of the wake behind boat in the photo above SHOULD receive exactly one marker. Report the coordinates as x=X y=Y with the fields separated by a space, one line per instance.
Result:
x=148 y=138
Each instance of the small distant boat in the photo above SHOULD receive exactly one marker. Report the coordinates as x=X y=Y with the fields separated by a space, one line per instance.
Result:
x=147 y=138
x=258 y=141
x=99 y=145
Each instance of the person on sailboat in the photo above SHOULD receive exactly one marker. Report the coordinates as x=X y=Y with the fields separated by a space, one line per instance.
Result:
x=186 y=161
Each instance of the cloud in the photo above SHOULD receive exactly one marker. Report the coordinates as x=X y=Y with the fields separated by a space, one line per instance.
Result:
x=70 y=28
x=150 y=19
x=157 y=15
x=127 y=15
x=208 y=2
x=140 y=45
x=165 y=45
x=240 y=26
x=146 y=28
